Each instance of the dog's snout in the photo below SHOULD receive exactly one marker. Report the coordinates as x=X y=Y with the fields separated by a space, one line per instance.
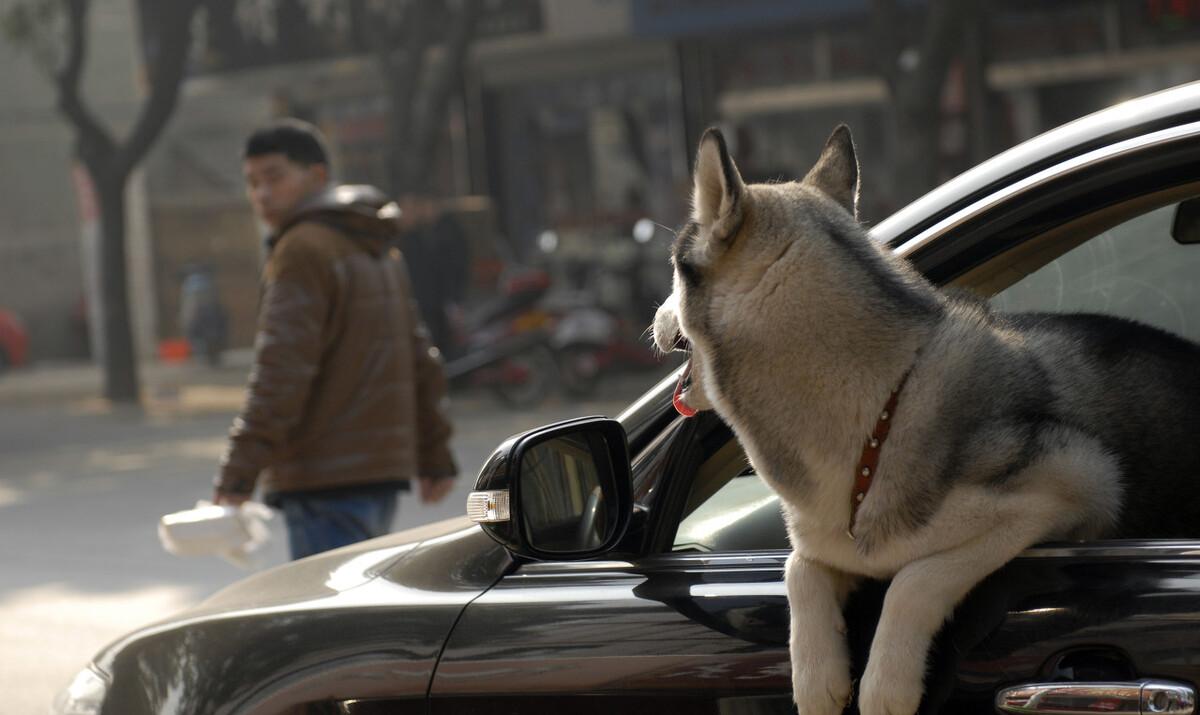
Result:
x=667 y=334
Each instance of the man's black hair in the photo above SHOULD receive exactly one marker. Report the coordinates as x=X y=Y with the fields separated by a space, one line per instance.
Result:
x=298 y=140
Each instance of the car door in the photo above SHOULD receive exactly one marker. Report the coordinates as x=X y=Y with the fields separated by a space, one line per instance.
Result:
x=702 y=627
x=663 y=631
x=695 y=617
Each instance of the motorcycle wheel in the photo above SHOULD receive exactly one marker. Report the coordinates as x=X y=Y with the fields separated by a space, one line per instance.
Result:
x=579 y=370
x=540 y=375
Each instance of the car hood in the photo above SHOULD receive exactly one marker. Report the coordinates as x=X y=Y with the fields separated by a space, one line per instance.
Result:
x=437 y=548
x=371 y=615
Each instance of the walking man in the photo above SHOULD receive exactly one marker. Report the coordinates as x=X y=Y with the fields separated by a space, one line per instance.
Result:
x=345 y=404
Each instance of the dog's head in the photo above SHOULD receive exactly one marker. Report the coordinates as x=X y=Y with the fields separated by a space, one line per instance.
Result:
x=742 y=245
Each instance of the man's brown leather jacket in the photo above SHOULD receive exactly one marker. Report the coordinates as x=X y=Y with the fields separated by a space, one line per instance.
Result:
x=346 y=389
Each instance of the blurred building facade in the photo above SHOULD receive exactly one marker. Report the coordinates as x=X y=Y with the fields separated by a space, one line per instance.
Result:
x=48 y=235
x=579 y=116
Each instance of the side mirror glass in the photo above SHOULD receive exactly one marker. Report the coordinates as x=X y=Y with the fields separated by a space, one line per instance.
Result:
x=559 y=492
x=567 y=493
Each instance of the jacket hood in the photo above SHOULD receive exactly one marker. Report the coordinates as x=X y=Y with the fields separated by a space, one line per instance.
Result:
x=360 y=211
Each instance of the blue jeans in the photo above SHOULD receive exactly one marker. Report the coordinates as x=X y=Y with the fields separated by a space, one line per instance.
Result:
x=319 y=522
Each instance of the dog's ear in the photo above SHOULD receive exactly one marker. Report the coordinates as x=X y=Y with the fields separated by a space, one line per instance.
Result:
x=718 y=198
x=836 y=173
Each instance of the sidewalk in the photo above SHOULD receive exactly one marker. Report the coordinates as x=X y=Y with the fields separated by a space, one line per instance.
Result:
x=192 y=388
x=164 y=385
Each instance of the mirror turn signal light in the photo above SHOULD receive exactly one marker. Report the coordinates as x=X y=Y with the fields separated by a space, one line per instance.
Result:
x=488 y=507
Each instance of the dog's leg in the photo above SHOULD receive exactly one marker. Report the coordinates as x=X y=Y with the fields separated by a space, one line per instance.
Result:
x=919 y=600
x=820 y=657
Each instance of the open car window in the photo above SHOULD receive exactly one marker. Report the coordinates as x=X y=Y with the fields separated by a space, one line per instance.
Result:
x=1138 y=261
x=728 y=506
x=742 y=515
x=1137 y=269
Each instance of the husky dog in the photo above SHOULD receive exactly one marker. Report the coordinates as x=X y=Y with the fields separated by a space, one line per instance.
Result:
x=912 y=435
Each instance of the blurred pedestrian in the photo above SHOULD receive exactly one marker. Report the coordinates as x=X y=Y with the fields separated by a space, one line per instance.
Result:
x=203 y=318
x=416 y=219
x=345 y=404
x=451 y=258
x=436 y=248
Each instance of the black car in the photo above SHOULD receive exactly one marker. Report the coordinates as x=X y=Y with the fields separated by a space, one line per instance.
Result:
x=635 y=565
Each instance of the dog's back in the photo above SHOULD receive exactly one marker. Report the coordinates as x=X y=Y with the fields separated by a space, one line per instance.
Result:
x=1110 y=402
x=1137 y=389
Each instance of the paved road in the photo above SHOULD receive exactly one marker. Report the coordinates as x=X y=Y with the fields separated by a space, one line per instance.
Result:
x=81 y=490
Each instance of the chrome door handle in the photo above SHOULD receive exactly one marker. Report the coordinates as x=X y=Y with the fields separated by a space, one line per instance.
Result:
x=1140 y=698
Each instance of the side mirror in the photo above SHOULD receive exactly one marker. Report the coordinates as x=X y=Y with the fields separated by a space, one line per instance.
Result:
x=1185 y=228
x=561 y=492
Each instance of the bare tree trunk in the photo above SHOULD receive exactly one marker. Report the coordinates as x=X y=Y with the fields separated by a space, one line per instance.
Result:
x=120 y=358
x=915 y=76
x=110 y=163
x=429 y=114
x=417 y=103
x=401 y=73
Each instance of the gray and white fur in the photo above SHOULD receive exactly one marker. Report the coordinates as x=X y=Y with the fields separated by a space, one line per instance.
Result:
x=1010 y=430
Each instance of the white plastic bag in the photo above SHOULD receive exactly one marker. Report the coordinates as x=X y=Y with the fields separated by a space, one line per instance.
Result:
x=233 y=533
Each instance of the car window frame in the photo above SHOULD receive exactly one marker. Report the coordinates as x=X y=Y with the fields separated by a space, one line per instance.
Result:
x=1052 y=197
x=992 y=277
x=676 y=481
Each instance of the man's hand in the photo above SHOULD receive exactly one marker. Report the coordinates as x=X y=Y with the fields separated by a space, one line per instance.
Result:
x=434 y=490
x=225 y=498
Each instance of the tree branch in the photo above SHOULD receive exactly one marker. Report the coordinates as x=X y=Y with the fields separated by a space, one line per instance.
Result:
x=95 y=142
x=166 y=63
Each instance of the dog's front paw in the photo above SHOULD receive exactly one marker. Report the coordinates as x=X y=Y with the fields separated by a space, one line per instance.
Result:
x=821 y=685
x=891 y=686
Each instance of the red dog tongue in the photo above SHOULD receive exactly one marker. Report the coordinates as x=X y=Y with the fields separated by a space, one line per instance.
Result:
x=680 y=406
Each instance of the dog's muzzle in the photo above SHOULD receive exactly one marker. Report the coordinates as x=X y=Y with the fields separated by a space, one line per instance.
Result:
x=669 y=338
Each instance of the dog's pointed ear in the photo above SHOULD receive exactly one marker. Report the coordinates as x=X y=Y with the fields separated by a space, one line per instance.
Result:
x=836 y=173
x=718 y=199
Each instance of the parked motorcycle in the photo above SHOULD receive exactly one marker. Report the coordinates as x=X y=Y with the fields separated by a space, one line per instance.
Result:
x=504 y=345
x=594 y=337
x=591 y=341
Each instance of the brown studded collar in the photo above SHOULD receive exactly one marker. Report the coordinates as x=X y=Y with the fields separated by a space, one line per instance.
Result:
x=864 y=473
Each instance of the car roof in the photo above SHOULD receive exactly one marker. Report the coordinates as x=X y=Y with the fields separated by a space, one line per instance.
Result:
x=1153 y=112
